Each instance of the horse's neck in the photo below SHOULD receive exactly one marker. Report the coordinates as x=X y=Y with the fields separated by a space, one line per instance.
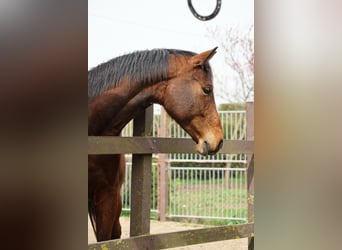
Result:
x=112 y=112
x=136 y=105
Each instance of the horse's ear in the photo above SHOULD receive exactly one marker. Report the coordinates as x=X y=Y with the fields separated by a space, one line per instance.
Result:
x=203 y=57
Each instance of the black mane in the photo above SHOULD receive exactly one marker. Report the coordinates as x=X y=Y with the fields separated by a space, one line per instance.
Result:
x=143 y=67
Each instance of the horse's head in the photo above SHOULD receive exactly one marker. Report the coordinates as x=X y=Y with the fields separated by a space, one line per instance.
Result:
x=189 y=99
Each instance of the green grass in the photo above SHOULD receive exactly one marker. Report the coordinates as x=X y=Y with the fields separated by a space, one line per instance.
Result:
x=221 y=201
x=211 y=197
x=206 y=202
x=209 y=222
x=193 y=181
x=153 y=215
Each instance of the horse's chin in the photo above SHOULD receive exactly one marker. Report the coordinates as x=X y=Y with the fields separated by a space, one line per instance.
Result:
x=202 y=153
x=206 y=153
x=202 y=149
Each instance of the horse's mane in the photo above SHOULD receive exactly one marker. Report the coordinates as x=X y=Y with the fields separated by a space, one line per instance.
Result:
x=142 y=67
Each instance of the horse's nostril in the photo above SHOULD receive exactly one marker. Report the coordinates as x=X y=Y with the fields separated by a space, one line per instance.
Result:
x=220 y=145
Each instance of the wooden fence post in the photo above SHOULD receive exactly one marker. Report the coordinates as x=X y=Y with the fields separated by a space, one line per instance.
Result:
x=141 y=178
x=163 y=171
x=250 y=168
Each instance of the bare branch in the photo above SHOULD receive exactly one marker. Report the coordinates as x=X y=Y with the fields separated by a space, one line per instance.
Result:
x=238 y=49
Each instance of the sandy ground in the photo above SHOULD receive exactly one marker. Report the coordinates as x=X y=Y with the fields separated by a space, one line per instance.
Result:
x=168 y=226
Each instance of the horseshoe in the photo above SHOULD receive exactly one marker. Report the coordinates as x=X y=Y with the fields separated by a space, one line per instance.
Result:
x=205 y=18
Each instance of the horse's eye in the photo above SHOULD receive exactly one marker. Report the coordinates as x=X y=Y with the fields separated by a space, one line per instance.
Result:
x=206 y=90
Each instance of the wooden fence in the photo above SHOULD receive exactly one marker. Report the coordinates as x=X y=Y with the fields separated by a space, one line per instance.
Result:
x=142 y=146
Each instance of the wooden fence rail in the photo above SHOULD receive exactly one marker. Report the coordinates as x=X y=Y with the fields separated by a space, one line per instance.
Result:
x=150 y=145
x=177 y=239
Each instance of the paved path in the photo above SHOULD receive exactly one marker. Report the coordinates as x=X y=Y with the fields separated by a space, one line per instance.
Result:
x=169 y=226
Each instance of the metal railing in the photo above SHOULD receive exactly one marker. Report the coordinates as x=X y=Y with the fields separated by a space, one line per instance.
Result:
x=198 y=192
x=205 y=192
x=233 y=124
x=234 y=128
x=126 y=188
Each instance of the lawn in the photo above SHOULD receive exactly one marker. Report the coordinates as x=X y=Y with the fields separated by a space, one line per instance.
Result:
x=215 y=198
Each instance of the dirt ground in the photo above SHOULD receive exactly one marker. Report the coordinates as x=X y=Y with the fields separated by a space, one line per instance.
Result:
x=168 y=226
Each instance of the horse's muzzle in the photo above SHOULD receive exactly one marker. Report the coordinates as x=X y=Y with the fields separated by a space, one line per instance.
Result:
x=205 y=148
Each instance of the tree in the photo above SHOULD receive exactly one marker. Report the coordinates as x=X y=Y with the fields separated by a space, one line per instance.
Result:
x=238 y=49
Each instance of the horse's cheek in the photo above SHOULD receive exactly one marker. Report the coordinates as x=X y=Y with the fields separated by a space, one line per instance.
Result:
x=185 y=101
x=173 y=106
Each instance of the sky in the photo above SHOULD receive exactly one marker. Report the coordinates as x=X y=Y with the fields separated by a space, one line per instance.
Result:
x=119 y=27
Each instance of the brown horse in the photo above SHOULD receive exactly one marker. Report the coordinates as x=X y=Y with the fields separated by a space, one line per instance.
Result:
x=181 y=81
